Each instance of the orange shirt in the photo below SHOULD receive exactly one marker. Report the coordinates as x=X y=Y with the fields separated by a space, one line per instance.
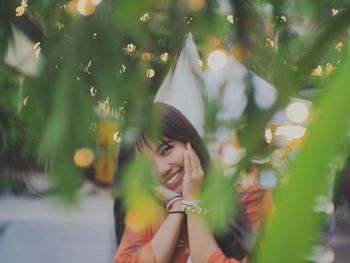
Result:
x=135 y=247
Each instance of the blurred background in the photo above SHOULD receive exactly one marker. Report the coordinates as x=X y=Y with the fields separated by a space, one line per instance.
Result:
x=264 y=82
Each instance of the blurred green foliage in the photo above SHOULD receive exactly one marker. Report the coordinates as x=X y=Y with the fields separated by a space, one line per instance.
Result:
x=108 y=54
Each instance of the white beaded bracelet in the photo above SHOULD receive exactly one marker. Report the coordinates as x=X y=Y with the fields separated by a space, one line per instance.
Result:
x=193 y=207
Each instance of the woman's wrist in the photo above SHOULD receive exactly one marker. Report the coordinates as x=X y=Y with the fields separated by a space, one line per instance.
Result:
x=176 y=206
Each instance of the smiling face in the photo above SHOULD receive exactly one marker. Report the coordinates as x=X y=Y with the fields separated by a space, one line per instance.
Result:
x=168 y=158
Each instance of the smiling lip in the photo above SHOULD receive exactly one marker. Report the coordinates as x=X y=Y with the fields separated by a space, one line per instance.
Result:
x=174 y=181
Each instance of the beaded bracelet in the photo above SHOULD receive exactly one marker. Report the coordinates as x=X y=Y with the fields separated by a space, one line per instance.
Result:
x=176 y=212
x=193 y=207
x=172 y=200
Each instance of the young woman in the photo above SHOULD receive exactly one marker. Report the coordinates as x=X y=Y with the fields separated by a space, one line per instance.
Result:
x=180 y=162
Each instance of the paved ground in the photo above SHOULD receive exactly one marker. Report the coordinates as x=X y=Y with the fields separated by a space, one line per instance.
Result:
x=41 y=230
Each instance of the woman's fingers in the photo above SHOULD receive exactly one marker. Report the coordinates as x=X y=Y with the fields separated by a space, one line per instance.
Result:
x=194 y=160
x=188 y=168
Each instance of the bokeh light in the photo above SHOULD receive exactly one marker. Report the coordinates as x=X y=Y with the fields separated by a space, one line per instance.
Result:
x=297 y=112
x=86 y=7
x=268 y=135
x=291 y=132
x=83 y=157
x=217 y=60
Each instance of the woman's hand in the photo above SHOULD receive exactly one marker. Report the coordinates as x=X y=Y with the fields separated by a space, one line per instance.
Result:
x=194 y=174
x=164 y=193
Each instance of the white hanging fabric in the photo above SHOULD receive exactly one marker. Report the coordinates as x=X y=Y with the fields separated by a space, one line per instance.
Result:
x=182 y=86
x=228 y=85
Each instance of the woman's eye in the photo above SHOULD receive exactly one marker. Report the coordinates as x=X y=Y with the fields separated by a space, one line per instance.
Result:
x=166 y=149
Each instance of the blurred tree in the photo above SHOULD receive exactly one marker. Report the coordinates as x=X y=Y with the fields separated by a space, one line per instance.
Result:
x=120 y=52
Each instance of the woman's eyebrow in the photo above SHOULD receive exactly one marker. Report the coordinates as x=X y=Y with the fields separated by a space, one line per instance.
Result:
x=164 y=142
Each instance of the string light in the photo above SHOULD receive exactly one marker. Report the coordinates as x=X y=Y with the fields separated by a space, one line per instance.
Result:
x=339 y=46
x=164 y=56
x=217 y=59
x=25 y=101
x=270 y=43
x=318 y=71
x=150 y=73
x=117 y=137
x=145 y=17
x=329 y=68
x=93 y=91
x=268 y=135
x=59 y=25
x=37 y=49
x=20 y=11
x=123 y=68
x=230 y=19
x=130 y=48
x=24 y=3
x=87 y=67
x=22 y=8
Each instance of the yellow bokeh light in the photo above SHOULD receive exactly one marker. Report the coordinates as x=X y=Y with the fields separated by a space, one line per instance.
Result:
x=145 y=17
x=93 y=91
x=268 y=135
x=130 y=47
x=20 y=11
x=329 y=68
x=25 y=101
x=270 y=43
x=86 y=7
x=24 y=3
x=217 y=60
x=297 y=112
x=150 y=73
x=122 y=69
x=196 y=5
x=83 y=157
x=117 y=137
x=339 y=46
x=146 y=56
x=230 y=19
x=318 y=71
x=164 y=56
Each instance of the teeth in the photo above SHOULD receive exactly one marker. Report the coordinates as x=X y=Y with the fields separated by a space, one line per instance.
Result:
x=173 y=178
